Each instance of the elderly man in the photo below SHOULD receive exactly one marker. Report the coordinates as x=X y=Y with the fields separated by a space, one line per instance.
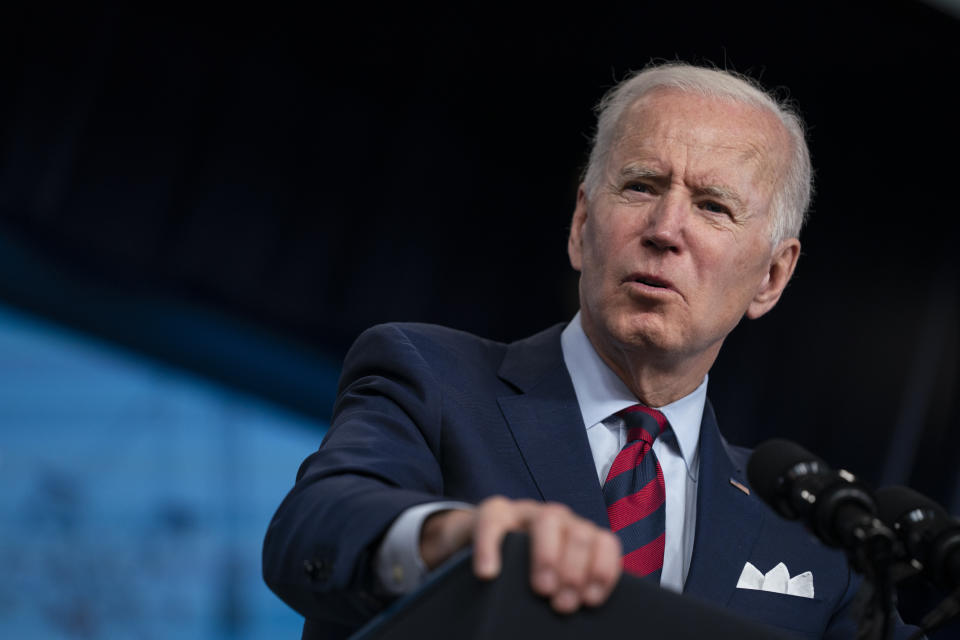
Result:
x=595 y=438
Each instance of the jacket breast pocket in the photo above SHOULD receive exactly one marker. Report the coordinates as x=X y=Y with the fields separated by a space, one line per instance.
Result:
x=806 y=616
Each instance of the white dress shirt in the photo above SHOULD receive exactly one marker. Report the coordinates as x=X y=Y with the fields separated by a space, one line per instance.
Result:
x=600 y=394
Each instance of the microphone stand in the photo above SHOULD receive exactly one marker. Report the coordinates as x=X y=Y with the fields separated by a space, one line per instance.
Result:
x=875 y=557
x=948 y=608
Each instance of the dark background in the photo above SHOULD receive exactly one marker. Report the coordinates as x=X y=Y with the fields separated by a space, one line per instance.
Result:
x=240 y=192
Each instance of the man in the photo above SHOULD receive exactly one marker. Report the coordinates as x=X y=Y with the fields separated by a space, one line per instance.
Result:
x=687 y=220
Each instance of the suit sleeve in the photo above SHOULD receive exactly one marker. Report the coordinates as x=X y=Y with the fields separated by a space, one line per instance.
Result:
x=377 y=459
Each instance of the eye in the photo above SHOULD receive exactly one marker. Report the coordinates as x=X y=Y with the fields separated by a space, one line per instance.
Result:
x=639 y=187
x=714 y=207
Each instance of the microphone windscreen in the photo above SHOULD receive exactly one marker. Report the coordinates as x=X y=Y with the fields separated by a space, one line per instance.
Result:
x=770 y=462
x=895 y=502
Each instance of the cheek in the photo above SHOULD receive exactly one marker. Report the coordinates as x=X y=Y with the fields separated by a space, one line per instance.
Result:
x=605 y=241
x=595 y=249
x=740 y=279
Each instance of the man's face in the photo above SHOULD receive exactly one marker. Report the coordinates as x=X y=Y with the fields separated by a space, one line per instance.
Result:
x=674 y=246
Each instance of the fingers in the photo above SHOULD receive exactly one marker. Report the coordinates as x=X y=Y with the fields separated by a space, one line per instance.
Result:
x=574 y=565
x=495 y=517
x=573 y=562
x=547 y=542
x=605 y=569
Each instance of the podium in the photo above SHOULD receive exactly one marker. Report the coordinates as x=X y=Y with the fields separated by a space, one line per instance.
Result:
x=455 y=604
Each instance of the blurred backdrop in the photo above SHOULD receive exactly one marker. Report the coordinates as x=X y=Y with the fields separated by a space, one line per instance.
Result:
x=200 y=209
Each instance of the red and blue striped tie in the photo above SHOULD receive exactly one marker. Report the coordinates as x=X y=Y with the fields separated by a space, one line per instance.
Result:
x=635 y=495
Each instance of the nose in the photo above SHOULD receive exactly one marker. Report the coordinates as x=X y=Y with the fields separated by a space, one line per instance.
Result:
x=664 y=225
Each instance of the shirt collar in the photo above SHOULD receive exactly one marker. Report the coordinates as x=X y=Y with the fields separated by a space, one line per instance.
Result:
x=600 y=393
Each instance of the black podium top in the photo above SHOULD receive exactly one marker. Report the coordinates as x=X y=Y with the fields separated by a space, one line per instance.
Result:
x=454 y=604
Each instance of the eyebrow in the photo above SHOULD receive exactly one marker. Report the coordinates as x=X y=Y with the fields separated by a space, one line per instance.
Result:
x=634 y=171
x=713 y=190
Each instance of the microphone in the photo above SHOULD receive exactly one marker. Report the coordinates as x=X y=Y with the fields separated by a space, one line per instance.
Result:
x=833 y=504
x=931 y=536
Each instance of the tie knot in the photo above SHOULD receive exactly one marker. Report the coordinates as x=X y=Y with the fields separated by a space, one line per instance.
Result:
x=643 y=423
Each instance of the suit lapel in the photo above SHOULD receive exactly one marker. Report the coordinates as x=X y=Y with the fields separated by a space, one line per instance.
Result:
x=547 y=425
x=728 y=521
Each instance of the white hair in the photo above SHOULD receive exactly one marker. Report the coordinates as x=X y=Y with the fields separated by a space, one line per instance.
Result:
x=791 y=196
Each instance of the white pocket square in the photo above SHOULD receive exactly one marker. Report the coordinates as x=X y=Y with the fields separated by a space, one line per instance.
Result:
x=777 y=580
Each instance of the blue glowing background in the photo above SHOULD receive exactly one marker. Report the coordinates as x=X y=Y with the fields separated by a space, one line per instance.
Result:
x=134 y=496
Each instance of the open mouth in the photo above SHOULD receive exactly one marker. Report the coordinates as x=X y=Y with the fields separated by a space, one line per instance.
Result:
x=651 y=281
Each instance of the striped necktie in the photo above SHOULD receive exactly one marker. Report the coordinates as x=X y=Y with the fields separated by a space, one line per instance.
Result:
x=635 y=494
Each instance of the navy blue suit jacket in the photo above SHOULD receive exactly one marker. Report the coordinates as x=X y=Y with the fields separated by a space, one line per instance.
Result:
x=427 y=413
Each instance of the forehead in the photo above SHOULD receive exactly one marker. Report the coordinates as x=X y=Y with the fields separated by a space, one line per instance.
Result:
x=705 y=138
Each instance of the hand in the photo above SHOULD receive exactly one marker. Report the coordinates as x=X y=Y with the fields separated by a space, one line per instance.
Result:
x=573 y=561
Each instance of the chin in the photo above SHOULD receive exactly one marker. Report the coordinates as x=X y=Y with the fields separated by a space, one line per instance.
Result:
x=643 y=333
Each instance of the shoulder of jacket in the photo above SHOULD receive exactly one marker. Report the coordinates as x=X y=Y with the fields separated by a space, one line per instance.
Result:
x=420 y=334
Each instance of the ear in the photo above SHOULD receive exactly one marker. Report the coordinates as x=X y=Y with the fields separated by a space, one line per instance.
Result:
x=782 y=264
x=575 y=241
